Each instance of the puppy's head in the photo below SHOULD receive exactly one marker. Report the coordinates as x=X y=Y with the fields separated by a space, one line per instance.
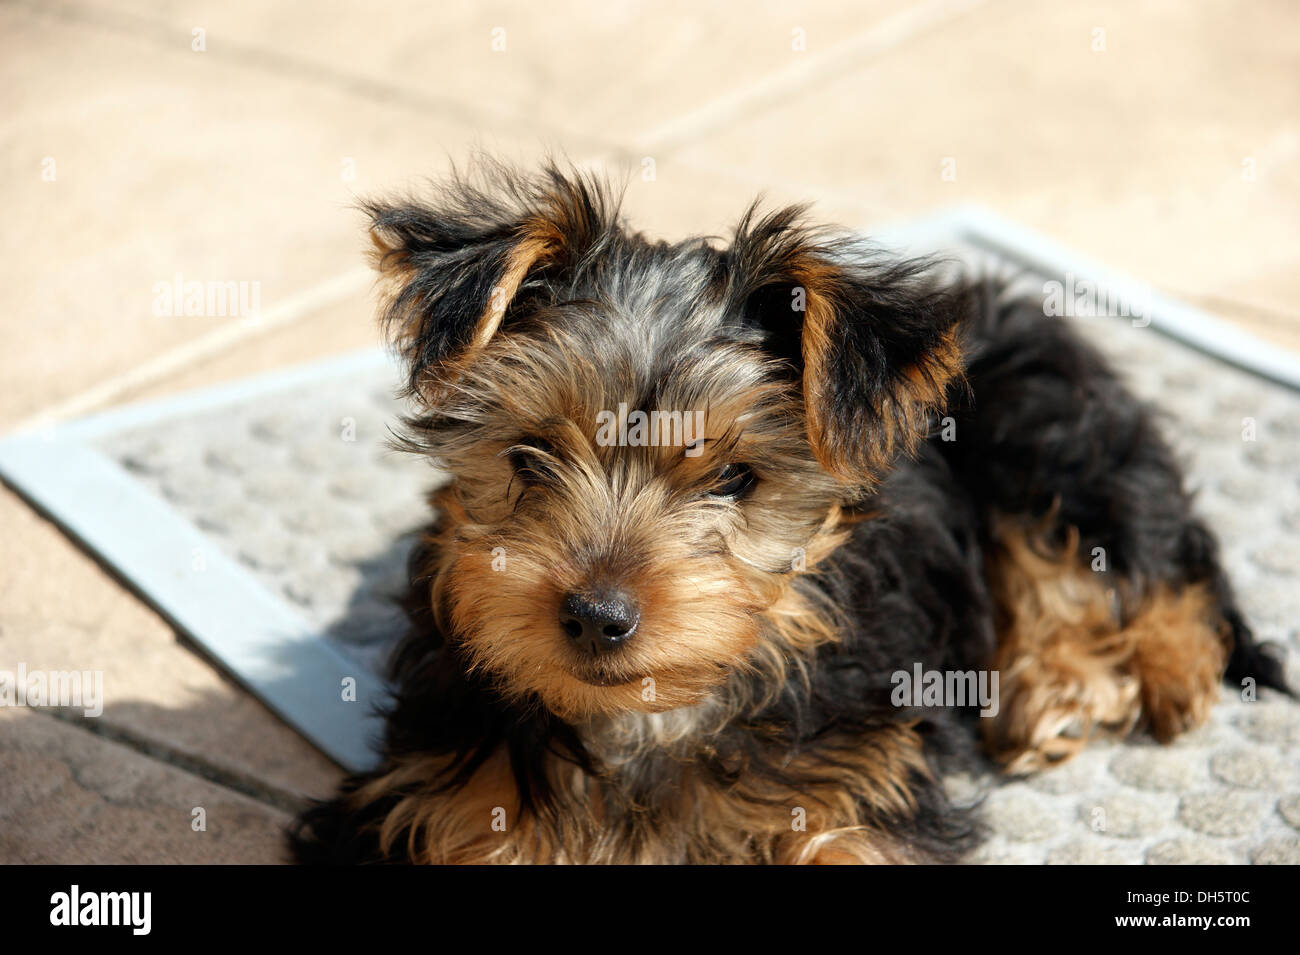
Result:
x=648 y=442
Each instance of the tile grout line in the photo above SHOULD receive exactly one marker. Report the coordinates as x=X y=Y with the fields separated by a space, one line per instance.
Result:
x=858 y=50
x=1212 y=301
x=251 y=787
x=878 y=39
x=250 y=56
x=190 y=353
x=820 y=193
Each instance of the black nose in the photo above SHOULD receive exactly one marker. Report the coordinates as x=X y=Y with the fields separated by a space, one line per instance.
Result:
x=599 y=621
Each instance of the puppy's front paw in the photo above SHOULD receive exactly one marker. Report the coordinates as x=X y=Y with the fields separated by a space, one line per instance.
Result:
x=1055 y=699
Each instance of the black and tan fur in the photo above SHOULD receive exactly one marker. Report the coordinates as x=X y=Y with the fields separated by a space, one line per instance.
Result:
x=749 y=718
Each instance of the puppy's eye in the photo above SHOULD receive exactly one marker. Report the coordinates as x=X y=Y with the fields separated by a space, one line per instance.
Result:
x=529 y=457
x=732 y=481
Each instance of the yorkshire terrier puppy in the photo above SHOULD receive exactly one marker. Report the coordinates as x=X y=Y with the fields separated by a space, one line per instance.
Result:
x=701 y=514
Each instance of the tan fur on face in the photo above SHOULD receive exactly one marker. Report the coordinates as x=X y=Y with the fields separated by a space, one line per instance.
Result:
x=697 y=623
x=1071 y=666
x=713 y=579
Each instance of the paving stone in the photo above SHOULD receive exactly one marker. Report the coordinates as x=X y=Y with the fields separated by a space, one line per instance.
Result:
x=70 y=797
x=1284 y=850
x=1020 y=816
x=194 y=485
x=1270 y=721
x=322 y=457
x=1188 y=852
x=275 y=554
x=158 y=455
x=1247 y=489
x=357 y=544
x=1281 y=557
x=1181 y=379
x=1280 y=455
x=357 y=484
x=240 y=459
x=1092 y=853
x=321 y=587
x=402 y=520
x=231 y=518
x=1289 y=807
x=306 y=516
x=157 y=690
x=1236 y=404
x=1221 y=813
x=1155 y=768
x=1283 y=428
x=273 y=486
x=1126 y=815
x=1006 y=853
x=281 y=427
x=1249 y=768
x=1074 y=776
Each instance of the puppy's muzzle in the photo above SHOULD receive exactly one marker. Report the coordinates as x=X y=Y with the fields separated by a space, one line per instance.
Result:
x=599 y=621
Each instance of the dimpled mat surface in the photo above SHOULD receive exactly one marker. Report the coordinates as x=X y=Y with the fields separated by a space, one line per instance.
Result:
x=303 y=490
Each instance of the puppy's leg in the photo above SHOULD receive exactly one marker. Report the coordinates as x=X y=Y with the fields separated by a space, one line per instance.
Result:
x=1074 y=661
x=1113 y=609
x=404 y=814
x=867 y=799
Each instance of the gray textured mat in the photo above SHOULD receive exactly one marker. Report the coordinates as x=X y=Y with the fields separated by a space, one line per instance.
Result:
x=303 y=491
x=270 y=521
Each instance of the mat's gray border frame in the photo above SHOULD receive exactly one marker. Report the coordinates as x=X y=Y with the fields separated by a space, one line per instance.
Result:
x=271 y=648
x=1191 y=326
x=257 y=637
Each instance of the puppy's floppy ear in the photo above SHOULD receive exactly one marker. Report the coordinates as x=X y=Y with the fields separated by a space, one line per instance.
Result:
x=453 y=268
x=875 y=344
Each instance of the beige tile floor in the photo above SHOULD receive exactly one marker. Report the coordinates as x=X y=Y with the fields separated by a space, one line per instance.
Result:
x=1162 y=138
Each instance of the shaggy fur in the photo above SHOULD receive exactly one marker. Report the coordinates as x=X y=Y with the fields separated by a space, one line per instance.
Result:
x=822 y=536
